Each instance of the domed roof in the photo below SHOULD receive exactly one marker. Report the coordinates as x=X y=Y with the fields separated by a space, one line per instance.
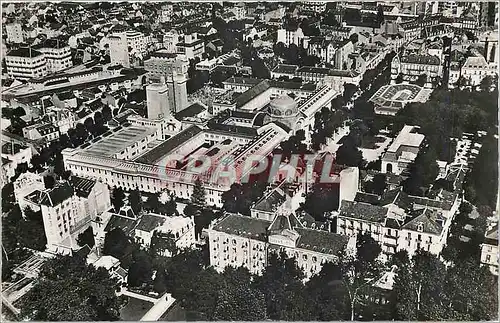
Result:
x=283 y=106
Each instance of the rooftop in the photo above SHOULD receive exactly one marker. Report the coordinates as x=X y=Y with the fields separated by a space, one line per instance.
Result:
x=406 y=137
x=166 y=147
x=363 y=211
x=427 y=221
x=148 y=222
x=244 y=226
x=24 y=52
x=119 y=140
x=82 y=186
x=321 y=241
x=191 y=111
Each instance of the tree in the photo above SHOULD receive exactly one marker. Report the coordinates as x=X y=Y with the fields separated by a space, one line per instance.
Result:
x=159 y=283
x=377 y=185
x=162 y=242
x=89 y=125
x=86 y=238
x=259 y=69
x=471 y=292
x=237 y=300
x=423 y=172
x=135 y=201
x=421 y=80
x=380 y=15
x=198 y=196
x=116 y=243
x=357 y=274
x=324 y=197
x=349 y=155
x=31 y=231
x=68 y=289
x=280 y=277
x=418 y=288
x=140 y=271
x=106 y=113
x=399 y=79
x=118 y=198
x=49 y=182
x=81 y=132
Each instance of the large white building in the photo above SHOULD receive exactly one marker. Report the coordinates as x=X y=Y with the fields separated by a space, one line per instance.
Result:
x=173 y=70
x=179 y=228
x=118 y=50
x=26 y=63
x=166 y=12
x=291 y=35
x=67 y=209
x=14 y=33
x=191 y=47
x=403 y=150
x=127 y=45
x=398 y=221
x=57 y=55
x=241 y=241
x=157 y=101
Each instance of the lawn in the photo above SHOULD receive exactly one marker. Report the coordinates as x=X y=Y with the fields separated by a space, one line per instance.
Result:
x=135 y=309
x=175 y=313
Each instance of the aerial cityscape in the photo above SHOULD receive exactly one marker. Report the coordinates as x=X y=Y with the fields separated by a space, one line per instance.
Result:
x=249 y=161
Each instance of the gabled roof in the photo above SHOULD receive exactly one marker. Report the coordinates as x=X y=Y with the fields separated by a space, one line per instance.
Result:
x=396 y=197
x=57 y=195
x=426 y=219
x=82 y=186
x=363 y=211
x=191 y=111
x=149 y=222
x=244 y=226
x=321 y=241
x=492 y=234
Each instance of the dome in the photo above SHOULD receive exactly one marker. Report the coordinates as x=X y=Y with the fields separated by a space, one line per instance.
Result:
x=283 y=106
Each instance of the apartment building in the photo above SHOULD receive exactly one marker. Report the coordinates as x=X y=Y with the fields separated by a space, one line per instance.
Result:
x=67 y=209
x=14 y=33
x=118 y=50
x=171 y=70
x=26 y=63
x=126 y=45
x=178 y=228
x=249 y=242
x=191 y=47
x=170 y=41
x=398 y=221
x=57 y=55
x=46 y=132
x=414 y=65
x=291 y=35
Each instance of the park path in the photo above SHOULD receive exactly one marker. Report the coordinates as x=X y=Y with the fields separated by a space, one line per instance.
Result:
x=160 y=307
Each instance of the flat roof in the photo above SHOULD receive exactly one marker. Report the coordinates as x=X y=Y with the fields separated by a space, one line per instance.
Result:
x=119 y=140
x=406 y=138
x=166 y=147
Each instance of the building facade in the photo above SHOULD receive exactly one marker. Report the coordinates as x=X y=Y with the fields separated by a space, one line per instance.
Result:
x=240 y=241
x=26 y=63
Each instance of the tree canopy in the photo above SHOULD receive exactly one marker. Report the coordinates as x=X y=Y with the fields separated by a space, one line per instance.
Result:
x=70 y=290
